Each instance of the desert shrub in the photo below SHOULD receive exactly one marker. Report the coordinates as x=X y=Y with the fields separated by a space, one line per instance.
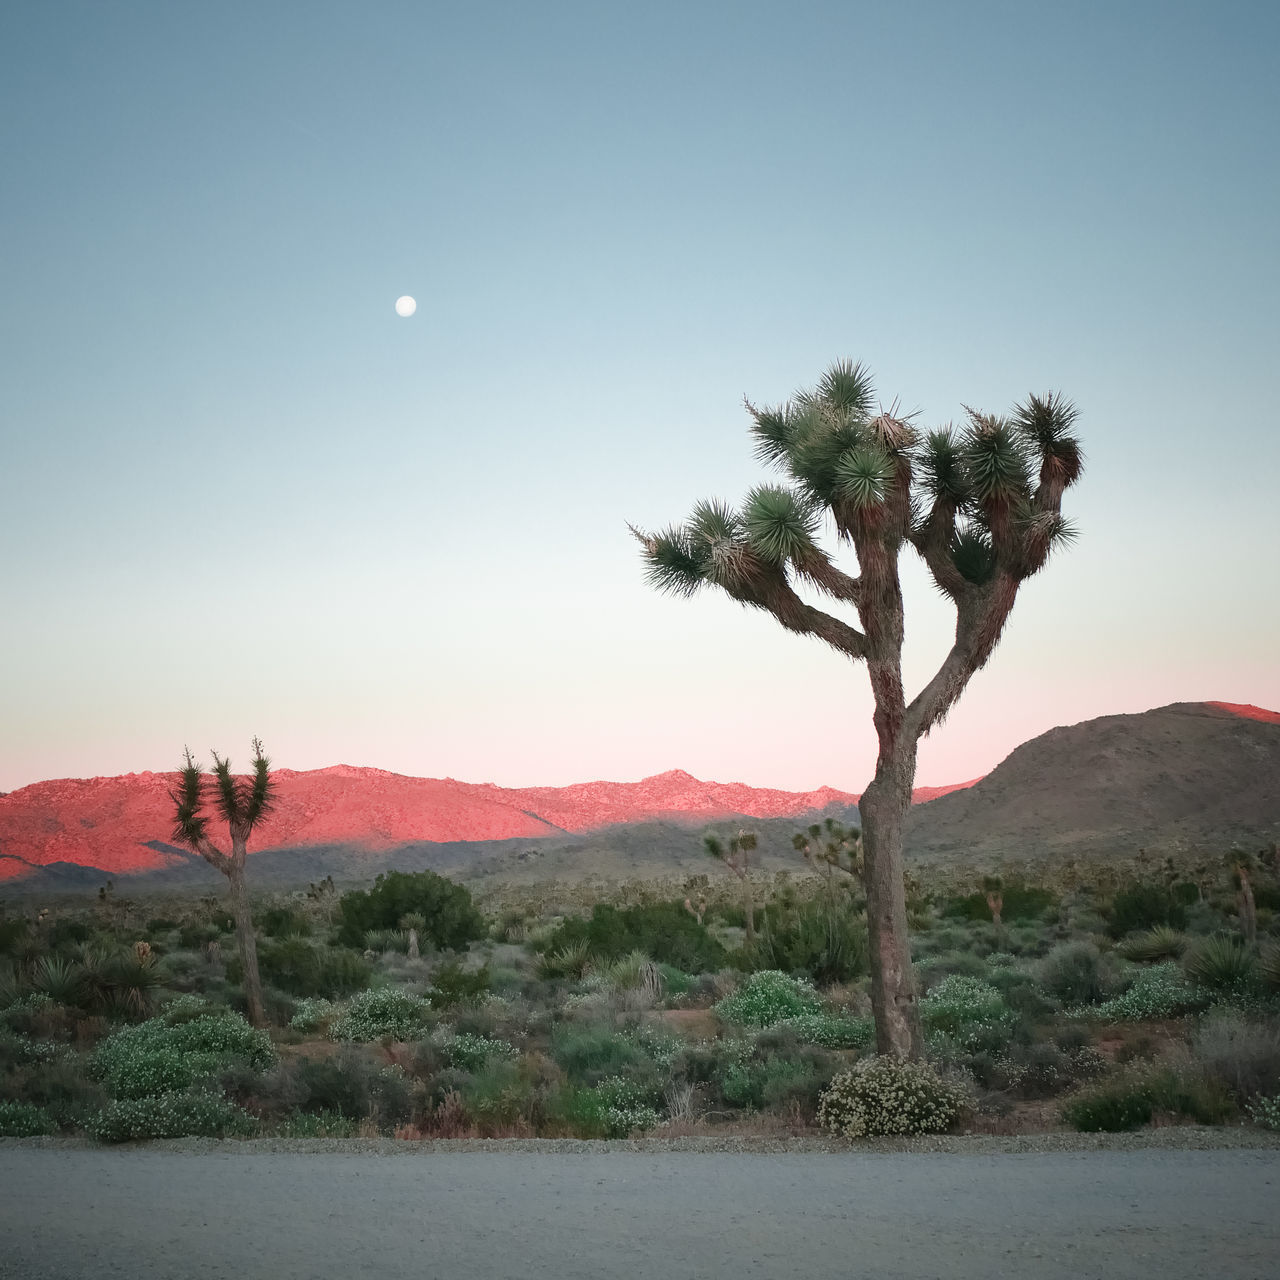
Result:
x=890 y=1096
x=322 y=1124
x=302 y=967
x=1265 y=1112
x=592 y=1053
x=1220 y=963
x=613 y=1108
x=451 y=985
x=664 y=931
x=170 y=1115
x=58 y=1086
x=1158 y=992
x=966 y=1014
x=311 y=1013
x=831 y=1031
x=1143 y=906
x=946 y=964
x=450 y=919
x=674 y=981
x=197 y=934
x=826 y=944
x=572 y=960
x=284 y=922
x=63 y=981
x=352 y=1084
x=384 y=1013
x=1132 y=1099
x=1021 y=902
x=1243 y=1055
x=1076 y=973
x=158 y=924
x=156 y=1057
x=773 y=1081
x=25 y=1120
x=1158 y=943
x=472 y=1052
x=767 y=997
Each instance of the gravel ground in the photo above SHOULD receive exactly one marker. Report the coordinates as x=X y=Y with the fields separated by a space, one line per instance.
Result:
x=1172 y=1203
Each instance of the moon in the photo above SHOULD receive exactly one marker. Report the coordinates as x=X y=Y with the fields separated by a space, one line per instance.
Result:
x=406 y=306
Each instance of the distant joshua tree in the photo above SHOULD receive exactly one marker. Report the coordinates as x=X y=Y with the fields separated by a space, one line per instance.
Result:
x=981 y=506
x=736 y=855
x=243 y=803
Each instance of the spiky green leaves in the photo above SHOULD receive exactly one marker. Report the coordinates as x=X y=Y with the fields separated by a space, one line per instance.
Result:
x=1045 y=423
x=779 y=525
x=190 y=827
x=942 y=468
x=995 y=461
x=863 y=475
x=671 y=566
x=847 y=387
x=973 y=555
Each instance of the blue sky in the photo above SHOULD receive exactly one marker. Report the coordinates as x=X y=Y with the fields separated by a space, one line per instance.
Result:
x=240 y=495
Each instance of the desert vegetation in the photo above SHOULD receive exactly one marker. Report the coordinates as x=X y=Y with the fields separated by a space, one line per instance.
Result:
x=1100 y=998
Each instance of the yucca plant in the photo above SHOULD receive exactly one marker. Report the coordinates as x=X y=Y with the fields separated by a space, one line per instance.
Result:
x=1220 y=963
x=386 y=940
x=981 y=505
x=1162 y=942
x=242 y=803
x=61 y=980
x=571 y=961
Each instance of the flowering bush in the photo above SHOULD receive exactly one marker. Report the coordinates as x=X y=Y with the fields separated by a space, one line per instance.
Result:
x=965 y=1014
x=24 y=1120
x=768 y=997
x=471 y=1052
x=156 y=1057
x=1158 y=992
x=172 y=1115
x=831 y=1031
x=622 y=1107
x=890 y=1096
x=384 y=1013
x=1266 y=1112
x=310 y=1012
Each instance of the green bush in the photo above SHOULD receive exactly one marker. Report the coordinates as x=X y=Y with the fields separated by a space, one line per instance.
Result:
x=831 y=1031
x=450 y=918
x=1021 y=902
x=301 y=967
x=966 y=1014
x=451 y=985
x=24 y=1120
x=890 y=1096
x=664 y=931
x=1265 y=1112
x=1158 y=992
x=592 y=1053
x=323 y=1124
x=350 y=1084
x=1243 y=1055
x=171 y=1115
x=826 y=944
x=384 y=1013
x=1143 y=906
x=614 y=1108
x=1269 y=965
x=1131 y=1100
x=284 y=922
x=768 y=997
x=311 y=1013
x=1221 y=963
x=472 y=1052
x=157 y=1057
x=1076 y=973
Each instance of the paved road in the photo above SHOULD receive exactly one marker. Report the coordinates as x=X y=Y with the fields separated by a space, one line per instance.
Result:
x=147 y=1214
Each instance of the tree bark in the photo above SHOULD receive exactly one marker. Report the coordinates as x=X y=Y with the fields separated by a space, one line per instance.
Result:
x=749 y=906
x=883 y=809
x=247 y=942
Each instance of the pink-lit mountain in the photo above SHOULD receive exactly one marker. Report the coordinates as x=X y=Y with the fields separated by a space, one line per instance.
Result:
x=115 y=824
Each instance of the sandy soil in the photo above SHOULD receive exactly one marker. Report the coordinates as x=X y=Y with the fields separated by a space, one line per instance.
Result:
x=222 y=1212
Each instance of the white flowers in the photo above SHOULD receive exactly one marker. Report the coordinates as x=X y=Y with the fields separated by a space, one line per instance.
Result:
x=890 y=1096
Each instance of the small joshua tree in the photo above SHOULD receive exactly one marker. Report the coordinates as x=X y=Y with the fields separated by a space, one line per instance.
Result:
x=993 y=887
x=982 y=506
x=736 y=855
x=830 y=846
x=243 y=803
x=1243 y=866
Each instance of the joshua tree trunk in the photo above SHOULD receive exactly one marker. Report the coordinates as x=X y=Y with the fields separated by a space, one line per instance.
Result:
x=883 y=809
x=1248 y=909
x=749 y=906
x=246 y=939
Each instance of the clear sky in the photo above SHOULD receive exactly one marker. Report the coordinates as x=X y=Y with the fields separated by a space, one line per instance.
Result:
x=239 y=495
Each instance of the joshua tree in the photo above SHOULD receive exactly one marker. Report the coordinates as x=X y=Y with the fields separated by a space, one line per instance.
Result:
x=243 y=802
x=993 y=887
x=981 y=505
x=831 y=846
x=736 y=855
x=1242 y=867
